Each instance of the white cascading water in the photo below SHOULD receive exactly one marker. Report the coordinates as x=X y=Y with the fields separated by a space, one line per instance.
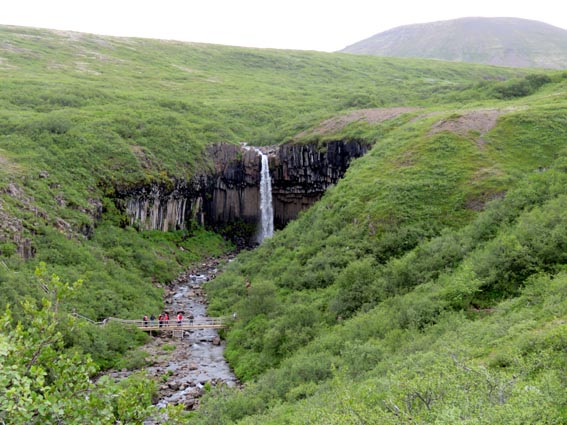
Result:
x=267 y=211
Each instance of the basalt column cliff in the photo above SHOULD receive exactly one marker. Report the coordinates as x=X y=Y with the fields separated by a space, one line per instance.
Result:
x=228 y=193
x=302 y=173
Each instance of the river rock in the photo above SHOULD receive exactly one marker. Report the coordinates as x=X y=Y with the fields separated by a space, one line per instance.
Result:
x=196 y=392
x=189 y=403
x=174 y=385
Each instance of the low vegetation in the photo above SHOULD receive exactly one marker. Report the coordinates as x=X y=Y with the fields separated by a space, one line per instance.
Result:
x=407 y=292
x=42 y=381
x=427 y=286
x=467 y=326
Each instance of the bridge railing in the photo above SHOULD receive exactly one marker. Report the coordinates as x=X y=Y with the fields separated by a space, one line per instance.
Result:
x=80 y=316
x=196 y=323
x=199 y=322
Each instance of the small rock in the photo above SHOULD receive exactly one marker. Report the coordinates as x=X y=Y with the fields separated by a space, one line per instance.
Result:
x=174 y=385
x=198 y=392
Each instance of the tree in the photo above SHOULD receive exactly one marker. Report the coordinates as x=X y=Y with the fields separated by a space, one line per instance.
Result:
x=42 y=382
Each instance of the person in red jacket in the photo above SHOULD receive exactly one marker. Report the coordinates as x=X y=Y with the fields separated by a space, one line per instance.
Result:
x=179 y=318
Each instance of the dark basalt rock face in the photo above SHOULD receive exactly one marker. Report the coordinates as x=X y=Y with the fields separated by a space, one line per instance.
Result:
x=228 y=192
x=302 y=173
x=160 y=206
x=232 y=192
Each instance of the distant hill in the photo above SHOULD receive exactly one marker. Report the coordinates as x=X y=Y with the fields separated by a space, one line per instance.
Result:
x=509 y=42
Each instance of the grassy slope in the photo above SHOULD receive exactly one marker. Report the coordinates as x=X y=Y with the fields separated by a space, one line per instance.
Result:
x=101 y=111
x=96 y=111
x=424 y=285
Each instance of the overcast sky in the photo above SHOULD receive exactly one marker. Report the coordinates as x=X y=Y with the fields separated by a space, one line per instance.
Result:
x=325 y=25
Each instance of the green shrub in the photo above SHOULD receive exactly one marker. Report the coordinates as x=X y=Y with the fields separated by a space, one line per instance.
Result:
x=168 y=347
x=521 y=87
x=357 y=288
x=44 y=382
x=7 y=249
x=133 y=360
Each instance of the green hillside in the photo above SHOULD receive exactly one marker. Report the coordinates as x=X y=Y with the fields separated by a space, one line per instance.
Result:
x=495 y=41
x=396 y=300
x=427 y=286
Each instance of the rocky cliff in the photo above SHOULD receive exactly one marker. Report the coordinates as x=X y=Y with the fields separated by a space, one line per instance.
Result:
x=302 y=173
x=228 y=193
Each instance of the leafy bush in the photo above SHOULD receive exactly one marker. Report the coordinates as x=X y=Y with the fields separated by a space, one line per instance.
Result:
x=40 y=381
x=521 y=87
x=357 y=288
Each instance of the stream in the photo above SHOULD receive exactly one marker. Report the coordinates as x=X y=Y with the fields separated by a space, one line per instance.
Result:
x=183 y=366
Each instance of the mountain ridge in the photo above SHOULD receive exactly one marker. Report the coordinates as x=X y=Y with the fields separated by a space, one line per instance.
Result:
x=511 y=42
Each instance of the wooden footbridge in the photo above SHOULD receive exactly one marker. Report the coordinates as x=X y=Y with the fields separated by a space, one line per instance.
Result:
x=173 y=326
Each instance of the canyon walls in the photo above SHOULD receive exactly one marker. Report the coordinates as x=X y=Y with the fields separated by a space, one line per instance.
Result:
x=302 y=173
x=227 y=193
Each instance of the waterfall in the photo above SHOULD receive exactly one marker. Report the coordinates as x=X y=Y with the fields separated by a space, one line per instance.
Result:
x=267 y=212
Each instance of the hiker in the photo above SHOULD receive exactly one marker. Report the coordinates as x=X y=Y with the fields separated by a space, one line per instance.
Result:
x=190 y=317
x=160 y=319
x=152 y=319
x=166 y=319
x=145 y=320
x=179 y=318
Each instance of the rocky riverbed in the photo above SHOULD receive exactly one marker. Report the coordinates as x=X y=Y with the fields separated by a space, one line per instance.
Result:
x=183 y=366
x=187 y=364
